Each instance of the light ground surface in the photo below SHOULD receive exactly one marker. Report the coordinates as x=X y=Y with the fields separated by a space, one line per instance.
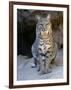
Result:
x=25 y=72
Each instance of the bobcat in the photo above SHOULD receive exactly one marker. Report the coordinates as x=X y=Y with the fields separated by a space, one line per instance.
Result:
x=44 y=48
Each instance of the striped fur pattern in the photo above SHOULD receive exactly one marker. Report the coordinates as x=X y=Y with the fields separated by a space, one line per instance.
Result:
x=44 y=48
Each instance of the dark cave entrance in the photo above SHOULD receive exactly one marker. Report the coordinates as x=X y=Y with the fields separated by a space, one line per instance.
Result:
x=25 y=36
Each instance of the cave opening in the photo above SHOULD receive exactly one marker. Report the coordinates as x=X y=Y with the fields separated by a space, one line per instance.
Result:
x=26 y=29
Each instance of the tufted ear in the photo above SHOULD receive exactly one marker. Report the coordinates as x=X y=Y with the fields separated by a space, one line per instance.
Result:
x=49 y=17
x=38 y=17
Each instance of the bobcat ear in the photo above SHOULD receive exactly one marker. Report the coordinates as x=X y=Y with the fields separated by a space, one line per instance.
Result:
x=38 y=17
x=49 y=17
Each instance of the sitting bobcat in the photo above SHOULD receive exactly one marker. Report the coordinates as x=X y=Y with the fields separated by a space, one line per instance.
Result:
x=44 y=48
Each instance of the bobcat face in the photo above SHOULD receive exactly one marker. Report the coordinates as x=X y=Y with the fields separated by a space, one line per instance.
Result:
x=43 y=24
x=43 y=27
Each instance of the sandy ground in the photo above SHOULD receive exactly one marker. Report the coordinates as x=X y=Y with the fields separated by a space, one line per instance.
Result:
x=25 y=72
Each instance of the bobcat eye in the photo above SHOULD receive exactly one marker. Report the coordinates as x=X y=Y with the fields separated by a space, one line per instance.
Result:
x=40 y=27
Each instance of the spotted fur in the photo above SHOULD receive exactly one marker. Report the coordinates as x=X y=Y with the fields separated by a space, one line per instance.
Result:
x=44 y=48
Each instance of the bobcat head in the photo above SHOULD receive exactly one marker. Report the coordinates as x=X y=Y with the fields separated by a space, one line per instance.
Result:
x=44 y=26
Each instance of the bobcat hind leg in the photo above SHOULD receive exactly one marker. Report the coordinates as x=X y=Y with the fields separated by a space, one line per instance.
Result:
x=53 y=63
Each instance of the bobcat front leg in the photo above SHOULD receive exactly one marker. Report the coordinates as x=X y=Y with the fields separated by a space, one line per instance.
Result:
x=42 y=65
x=47 y=66
x=53 y=63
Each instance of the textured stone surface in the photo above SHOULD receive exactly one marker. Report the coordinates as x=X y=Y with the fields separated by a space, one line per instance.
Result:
x=25 y=72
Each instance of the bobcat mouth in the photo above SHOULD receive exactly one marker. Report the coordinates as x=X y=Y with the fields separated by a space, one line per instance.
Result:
x=44 y=34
